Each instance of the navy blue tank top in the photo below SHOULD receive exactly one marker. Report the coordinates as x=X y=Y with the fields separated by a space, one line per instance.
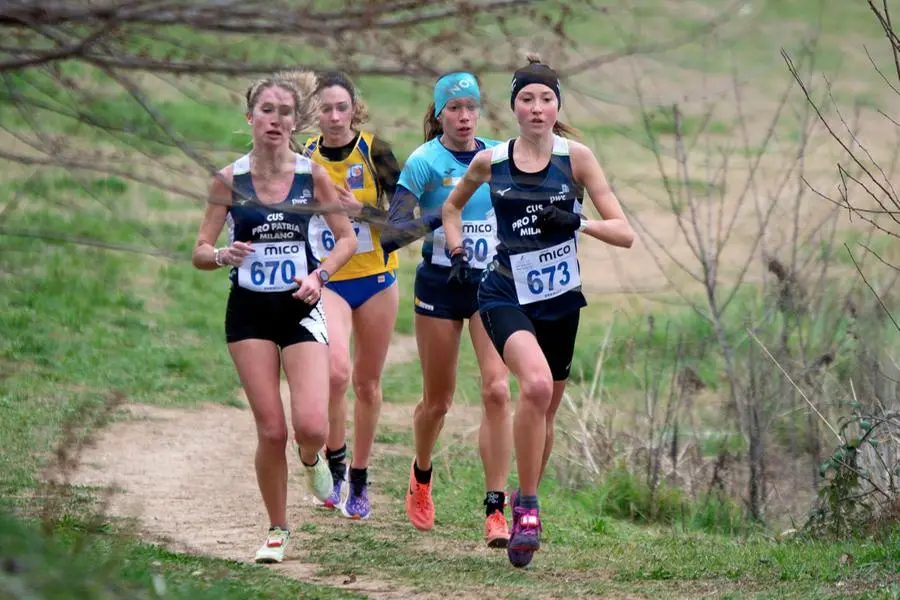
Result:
x=278 y=236
x=533 y=269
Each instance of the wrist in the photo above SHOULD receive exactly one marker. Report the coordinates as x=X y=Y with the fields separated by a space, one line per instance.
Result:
x=218 y=257
x=322 y=276
x=458 y=251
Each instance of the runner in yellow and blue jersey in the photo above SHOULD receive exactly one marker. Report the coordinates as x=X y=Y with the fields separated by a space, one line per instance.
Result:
x=530 y=296
x=363 y=297
x=444 y=302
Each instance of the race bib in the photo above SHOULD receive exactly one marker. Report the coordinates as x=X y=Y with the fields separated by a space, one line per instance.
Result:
x=479 y=241
x=544 y=274
x=322 y=239
x=273 y=266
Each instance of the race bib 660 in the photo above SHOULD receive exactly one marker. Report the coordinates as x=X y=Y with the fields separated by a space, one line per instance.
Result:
x=273 y=266
x=544 y=274
x=479 y=242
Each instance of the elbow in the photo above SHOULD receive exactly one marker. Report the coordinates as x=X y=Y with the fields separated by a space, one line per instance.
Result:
x=198 y=264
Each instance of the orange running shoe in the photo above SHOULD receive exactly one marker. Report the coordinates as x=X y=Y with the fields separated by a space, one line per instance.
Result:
x=419 y=506
x=496 y=532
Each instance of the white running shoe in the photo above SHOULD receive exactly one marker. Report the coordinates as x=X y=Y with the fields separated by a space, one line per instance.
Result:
x=272 y=550
x=318 y=477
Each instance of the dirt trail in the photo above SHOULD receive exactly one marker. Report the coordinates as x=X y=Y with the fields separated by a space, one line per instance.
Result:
x=186 y=477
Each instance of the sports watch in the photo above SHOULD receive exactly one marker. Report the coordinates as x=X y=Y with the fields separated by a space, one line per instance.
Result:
x=323 y=275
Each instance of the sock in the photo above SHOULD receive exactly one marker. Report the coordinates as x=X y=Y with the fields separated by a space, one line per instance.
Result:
x=312 y=465
x=493 y=501
x=422 y=477
x=358 y=479
x=528 y=502
x=337 y=462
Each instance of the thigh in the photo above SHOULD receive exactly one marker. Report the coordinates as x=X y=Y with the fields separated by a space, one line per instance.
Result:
x=557 y=340
x=306 y=369
x=438 y=343
x=339 y=319
x=501 y=322
x=373 y=326
x=258 y=363
x=489 y=360
x=515 y=339
x=247 y=316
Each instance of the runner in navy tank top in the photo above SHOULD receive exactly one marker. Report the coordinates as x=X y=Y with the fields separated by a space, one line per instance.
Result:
x=274 y=318
x=530 y=296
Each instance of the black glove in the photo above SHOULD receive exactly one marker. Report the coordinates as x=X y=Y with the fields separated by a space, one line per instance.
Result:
x=459 y=269
x=552 y=218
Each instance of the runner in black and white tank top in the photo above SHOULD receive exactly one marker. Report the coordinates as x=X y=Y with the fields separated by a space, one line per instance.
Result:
x=530 y=297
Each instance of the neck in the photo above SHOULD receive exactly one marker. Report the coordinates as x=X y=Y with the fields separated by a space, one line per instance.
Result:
x=338 y=140
x=536 y=145
x=456 y=146
x=269 y=161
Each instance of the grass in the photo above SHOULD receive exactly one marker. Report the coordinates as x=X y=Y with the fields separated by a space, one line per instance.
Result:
x=69 y=563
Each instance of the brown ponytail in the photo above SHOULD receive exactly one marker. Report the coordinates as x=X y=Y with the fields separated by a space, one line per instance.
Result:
x=566 y=131
x=431 y=125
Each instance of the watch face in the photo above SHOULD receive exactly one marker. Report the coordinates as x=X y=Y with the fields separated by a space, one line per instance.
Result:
x=323 y=275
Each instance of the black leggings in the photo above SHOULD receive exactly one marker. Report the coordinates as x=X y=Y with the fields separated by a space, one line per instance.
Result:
x=556 y=337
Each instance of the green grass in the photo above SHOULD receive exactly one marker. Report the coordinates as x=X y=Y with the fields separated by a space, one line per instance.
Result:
x=70 y=563
x=588 y=550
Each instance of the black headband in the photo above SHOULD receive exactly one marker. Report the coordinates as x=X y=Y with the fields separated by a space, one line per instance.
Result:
x=534 y=73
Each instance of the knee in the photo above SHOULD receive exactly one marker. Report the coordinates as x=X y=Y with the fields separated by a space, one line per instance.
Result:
x=436 y=407
x=366 y=388
x=311 y=432
x=495 y=395
x=537 y=390
x=338 y=372
x=273 y=436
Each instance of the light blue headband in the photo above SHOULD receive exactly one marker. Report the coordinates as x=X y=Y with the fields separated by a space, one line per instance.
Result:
x=454 y=85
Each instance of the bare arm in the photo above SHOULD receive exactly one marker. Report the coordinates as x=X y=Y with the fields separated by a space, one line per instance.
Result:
x=614 y=227
x=344 y=238
x=479 y=172
x=203 y=256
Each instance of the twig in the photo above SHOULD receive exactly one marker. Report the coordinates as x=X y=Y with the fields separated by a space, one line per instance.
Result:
x=796 y=387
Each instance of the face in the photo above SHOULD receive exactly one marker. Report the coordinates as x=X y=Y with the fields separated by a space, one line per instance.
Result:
x=459 y=118
x=336 y=111
x=536 y=108
x=273 y=117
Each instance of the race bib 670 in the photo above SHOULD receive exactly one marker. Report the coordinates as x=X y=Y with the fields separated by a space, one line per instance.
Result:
x=272 y=267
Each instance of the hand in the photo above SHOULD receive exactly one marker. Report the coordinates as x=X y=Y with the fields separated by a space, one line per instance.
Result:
x=459 y=268
x=552 y=218
x=349 y=203
x=234 y=255
x=310 y=288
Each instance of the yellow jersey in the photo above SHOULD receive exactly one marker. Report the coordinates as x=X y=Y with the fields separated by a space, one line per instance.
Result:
x=358 y=172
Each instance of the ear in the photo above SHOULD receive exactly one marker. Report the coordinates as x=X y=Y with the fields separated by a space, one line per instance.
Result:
x=249 y=118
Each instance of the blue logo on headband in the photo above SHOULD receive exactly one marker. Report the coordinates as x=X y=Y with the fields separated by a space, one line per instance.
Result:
x=454 y=85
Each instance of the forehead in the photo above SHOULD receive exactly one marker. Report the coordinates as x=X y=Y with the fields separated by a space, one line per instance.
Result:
x=275 y=95
x=335 y=94
x=536 y=89
x=462 y=102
